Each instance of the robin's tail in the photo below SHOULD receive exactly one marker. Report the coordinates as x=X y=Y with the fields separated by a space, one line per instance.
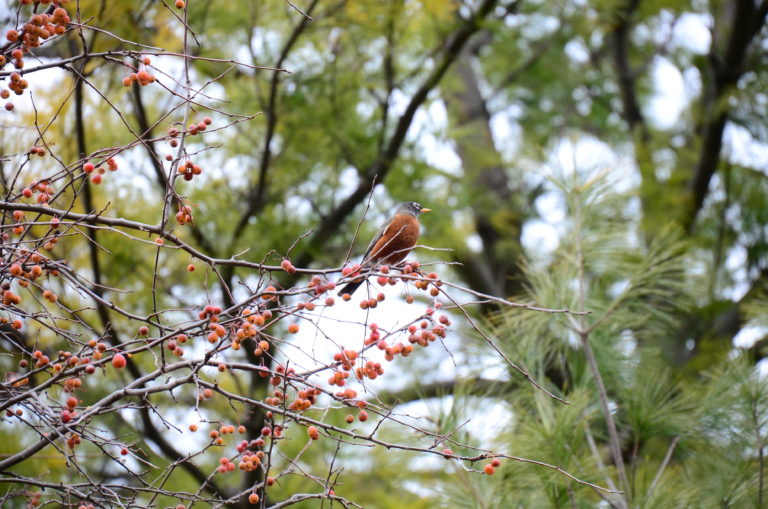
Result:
x=351 y=286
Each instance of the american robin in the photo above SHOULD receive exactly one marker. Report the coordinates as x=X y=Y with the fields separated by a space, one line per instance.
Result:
x=392 y=242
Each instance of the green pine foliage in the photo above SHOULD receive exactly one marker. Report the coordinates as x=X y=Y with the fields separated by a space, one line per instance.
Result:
x=686 y=441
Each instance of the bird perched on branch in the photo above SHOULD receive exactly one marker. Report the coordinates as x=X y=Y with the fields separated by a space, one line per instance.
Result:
x=392 y=242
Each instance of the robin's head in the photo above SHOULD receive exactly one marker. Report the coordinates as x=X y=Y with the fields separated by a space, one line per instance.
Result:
x=411 y=208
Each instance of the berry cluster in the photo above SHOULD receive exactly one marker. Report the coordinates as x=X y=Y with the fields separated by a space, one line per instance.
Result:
x=184 y=215
x=96 y=178
x=188 y=170
x=38 y=28
x=143 y=77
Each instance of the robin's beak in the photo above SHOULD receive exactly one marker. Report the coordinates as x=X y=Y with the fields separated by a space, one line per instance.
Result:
x=425 y=210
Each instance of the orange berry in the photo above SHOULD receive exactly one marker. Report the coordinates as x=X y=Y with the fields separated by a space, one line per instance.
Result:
x=191 y=267
x=313 y=433
x=268 y=293
x=144 y=78
x=293 y=328
x=253 y=498
x=488 y=469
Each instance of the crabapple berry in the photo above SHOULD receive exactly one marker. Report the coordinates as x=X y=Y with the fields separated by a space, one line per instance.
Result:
x=118 y=361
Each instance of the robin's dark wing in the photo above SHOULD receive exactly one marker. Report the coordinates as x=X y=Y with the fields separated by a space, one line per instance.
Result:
x=375 y=239
x=355 y=284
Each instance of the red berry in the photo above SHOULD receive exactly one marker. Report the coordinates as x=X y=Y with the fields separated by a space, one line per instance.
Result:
x=118 y=361
x=488 y=469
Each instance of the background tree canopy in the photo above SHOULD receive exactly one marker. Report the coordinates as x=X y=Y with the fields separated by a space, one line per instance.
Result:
x=601 y=163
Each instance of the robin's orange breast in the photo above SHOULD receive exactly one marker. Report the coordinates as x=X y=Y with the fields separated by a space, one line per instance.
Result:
x=397 y=240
